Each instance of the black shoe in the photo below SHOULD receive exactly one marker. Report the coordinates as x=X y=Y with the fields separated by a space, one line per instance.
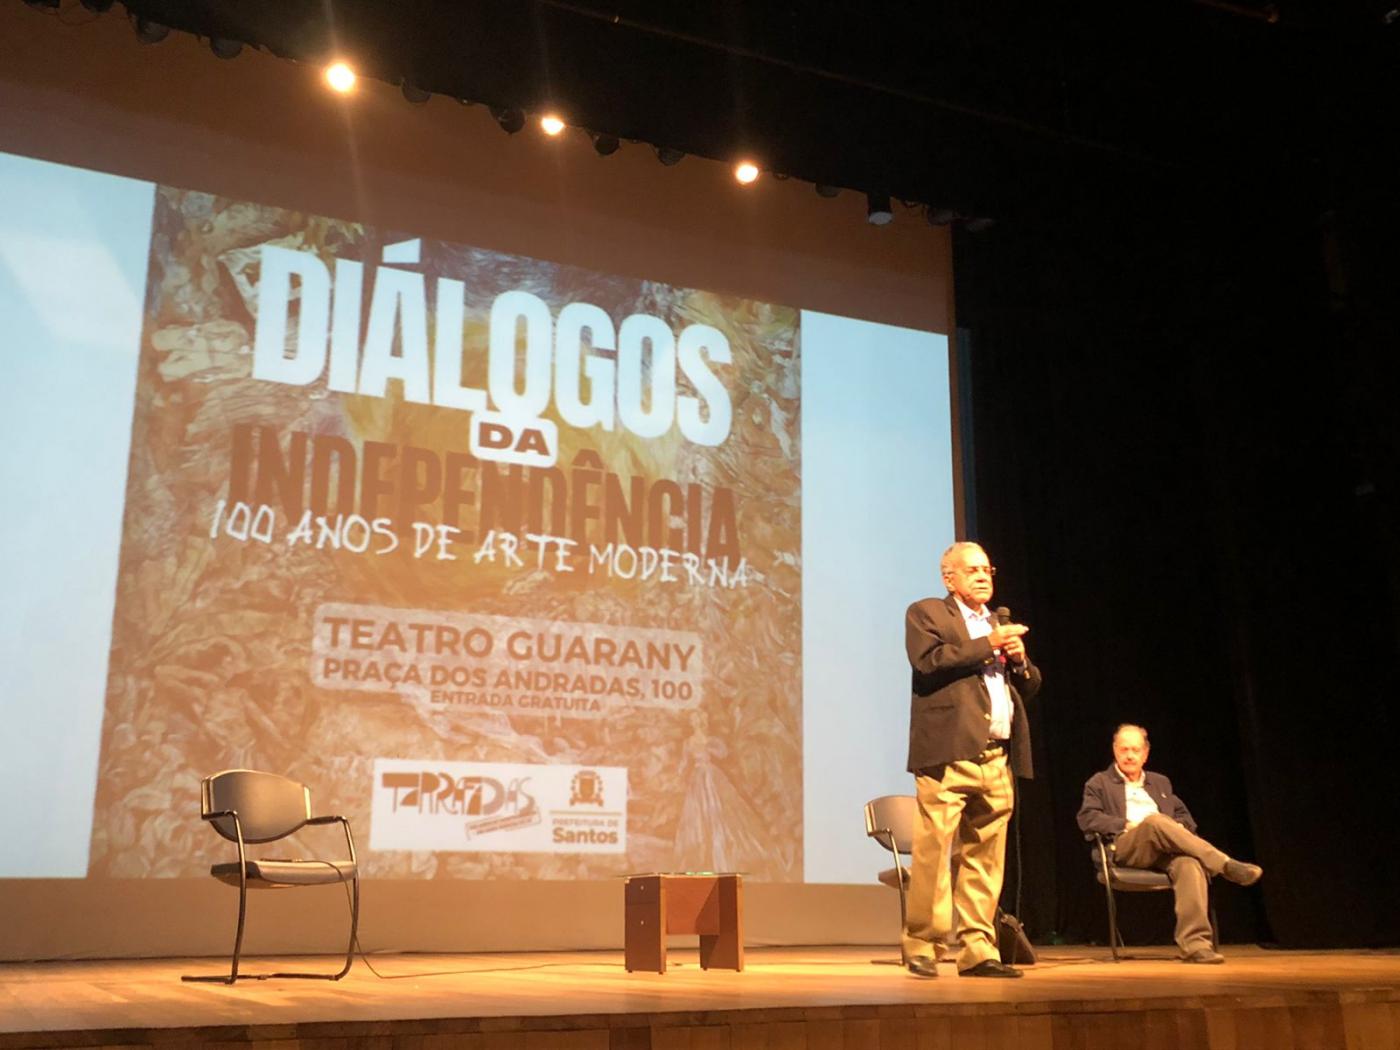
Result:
x=1204 y=956
x=922 y=966
x=1242 y=874
x=990 y=968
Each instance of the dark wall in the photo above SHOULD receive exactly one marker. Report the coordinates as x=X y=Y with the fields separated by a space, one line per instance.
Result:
x=1186 y=468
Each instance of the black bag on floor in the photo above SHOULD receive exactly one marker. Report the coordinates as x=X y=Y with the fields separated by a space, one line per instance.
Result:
x=1012 y=942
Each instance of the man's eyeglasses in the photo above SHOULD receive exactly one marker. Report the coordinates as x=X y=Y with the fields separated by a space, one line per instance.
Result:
x=973 y=570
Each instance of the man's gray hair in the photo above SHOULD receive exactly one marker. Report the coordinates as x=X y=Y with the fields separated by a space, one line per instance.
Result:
x=1130 y=725
x=945 y=564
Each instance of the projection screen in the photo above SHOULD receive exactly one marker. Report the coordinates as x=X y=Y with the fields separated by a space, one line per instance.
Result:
x=532 y=571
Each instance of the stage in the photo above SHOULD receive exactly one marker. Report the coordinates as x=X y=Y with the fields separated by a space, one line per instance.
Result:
x=785 y=998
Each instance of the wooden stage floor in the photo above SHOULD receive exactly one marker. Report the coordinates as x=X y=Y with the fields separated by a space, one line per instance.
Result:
x=798 y=998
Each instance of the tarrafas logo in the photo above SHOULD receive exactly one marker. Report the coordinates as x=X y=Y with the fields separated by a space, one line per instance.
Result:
x=476 y=796
x=312 y=323
x=498 y=807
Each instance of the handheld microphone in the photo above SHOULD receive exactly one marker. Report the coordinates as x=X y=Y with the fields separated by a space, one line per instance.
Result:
x=1003 y=615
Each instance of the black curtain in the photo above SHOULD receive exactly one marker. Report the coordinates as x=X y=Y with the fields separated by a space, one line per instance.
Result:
x=1186 y=468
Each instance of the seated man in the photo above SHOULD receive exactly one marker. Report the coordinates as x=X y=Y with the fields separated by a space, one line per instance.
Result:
x=1146 y=826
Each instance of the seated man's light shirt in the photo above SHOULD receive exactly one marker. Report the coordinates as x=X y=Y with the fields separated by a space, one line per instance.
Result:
x=979 y=625
x=1139 y=803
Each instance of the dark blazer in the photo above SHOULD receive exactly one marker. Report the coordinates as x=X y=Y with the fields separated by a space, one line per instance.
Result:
x=1105 y=806
x=950 y=706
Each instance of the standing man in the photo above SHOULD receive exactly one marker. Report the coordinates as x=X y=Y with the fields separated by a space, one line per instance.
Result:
x=968 y=736
x=1147 y=826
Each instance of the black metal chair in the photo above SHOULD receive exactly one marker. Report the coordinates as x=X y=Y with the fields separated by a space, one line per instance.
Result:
x=889 y=820
x=1113 y=876
x=250 y=808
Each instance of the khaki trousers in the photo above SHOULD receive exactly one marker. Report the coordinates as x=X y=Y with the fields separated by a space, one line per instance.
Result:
x=1162 y=844
x=964 y=806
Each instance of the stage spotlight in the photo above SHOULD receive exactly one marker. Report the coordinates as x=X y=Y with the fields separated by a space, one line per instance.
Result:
x=606 y=145
x=827 y=191
x=668 y=156
x=414 y=94
x=746 y=171
x=877 y=209
x=149 y=32
x=510 y=120
x=979 y=224
x=225 y=48
x=552 y=124
x=940 y=216
x=340 y=78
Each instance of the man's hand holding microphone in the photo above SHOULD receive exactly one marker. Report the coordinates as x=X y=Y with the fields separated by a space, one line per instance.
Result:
x=1006 y=636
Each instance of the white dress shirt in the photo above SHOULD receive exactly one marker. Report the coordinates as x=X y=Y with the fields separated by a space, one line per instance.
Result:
x=1137 y=802
x=979 y=625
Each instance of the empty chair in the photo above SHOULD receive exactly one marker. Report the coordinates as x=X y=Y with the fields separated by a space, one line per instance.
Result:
x=251 y=808
x=889 y=820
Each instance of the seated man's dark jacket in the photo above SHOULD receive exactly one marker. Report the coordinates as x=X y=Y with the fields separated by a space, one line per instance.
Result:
x=1105 y=806
x=950 y=708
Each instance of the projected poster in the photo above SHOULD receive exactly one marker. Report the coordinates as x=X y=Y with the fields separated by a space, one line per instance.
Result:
x=500 y=556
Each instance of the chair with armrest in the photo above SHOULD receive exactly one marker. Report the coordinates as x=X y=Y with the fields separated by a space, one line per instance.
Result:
x=249 y=807
x=890 y=821
x=1113 y=876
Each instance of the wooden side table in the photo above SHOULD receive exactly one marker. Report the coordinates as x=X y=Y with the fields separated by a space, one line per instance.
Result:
x=710 y=905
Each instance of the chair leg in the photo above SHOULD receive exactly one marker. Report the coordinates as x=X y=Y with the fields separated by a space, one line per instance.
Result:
x=350 y=950
x=1114 y=937
x=899 y=875
x=238 y=942
x=903 y=903
x=354 y=925
x=242 y=918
